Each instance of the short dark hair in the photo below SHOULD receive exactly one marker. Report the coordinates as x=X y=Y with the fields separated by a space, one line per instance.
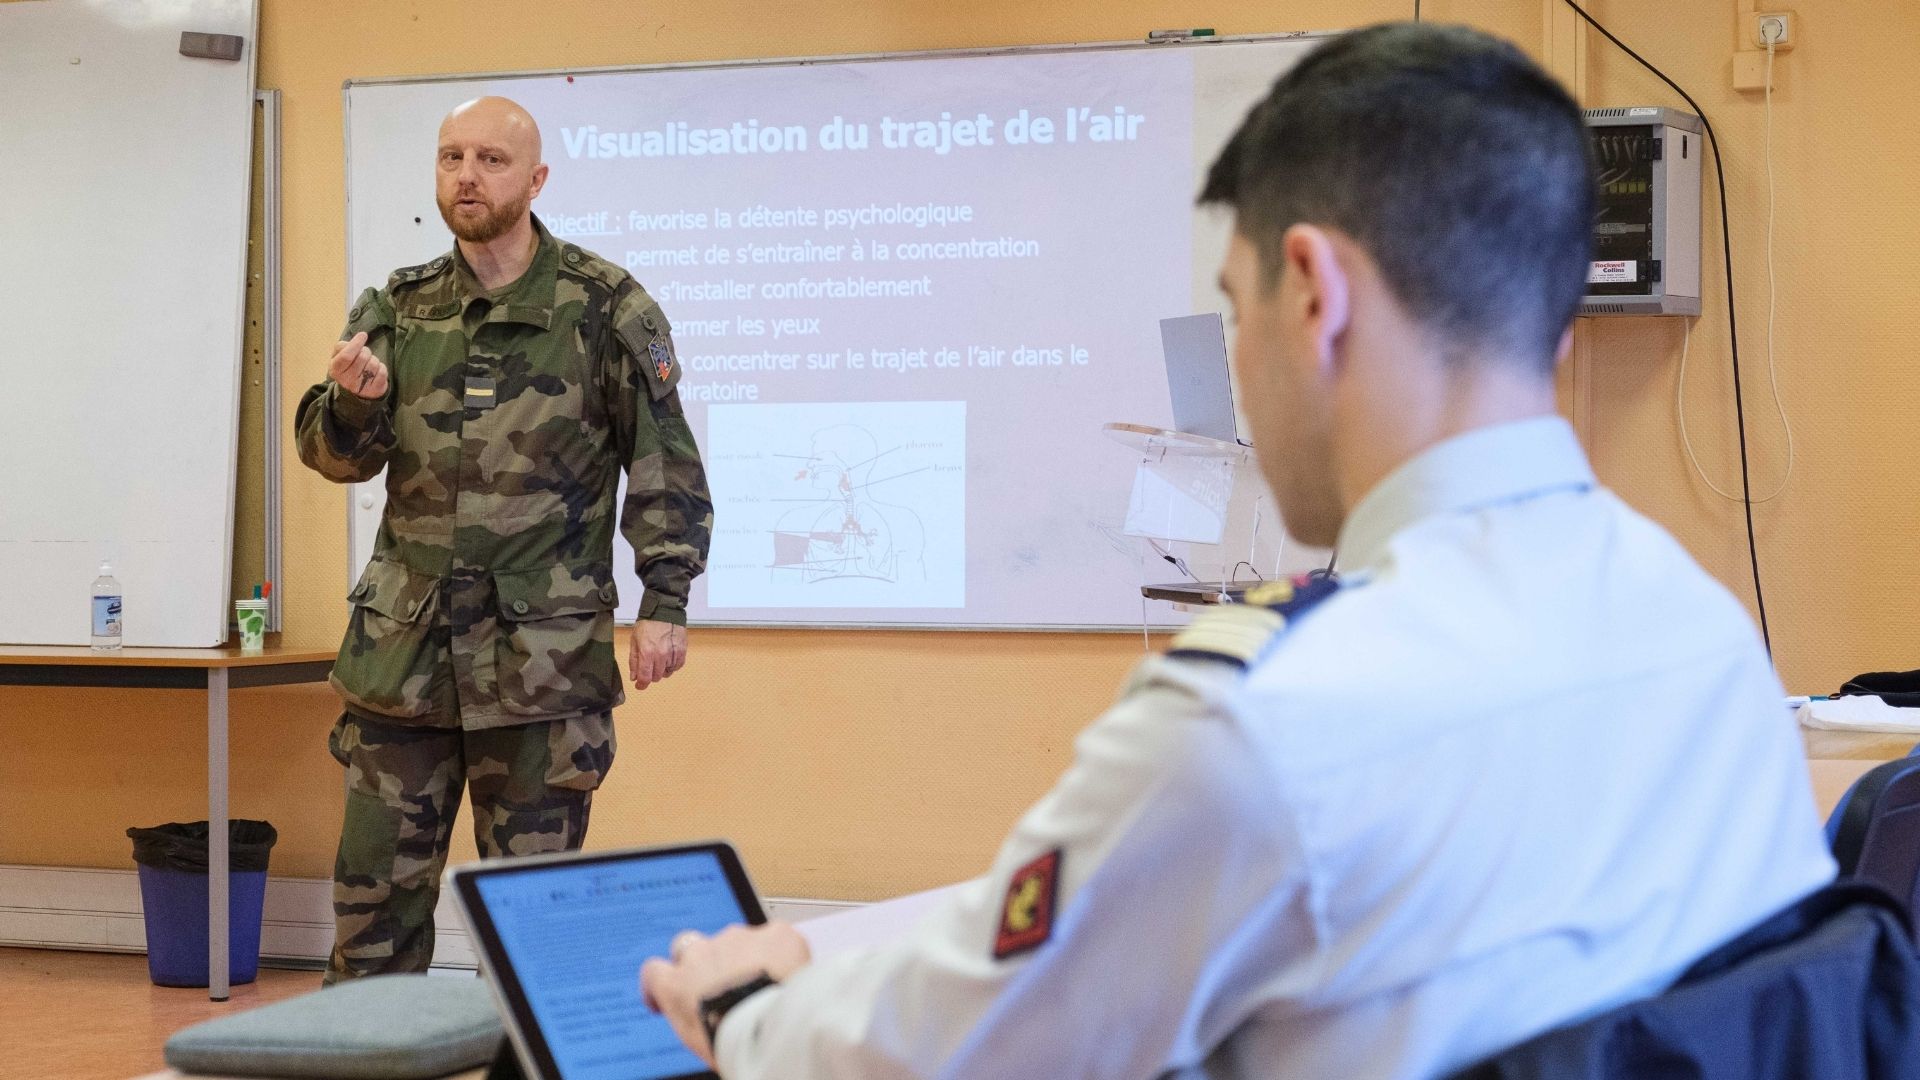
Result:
x=1460 y=166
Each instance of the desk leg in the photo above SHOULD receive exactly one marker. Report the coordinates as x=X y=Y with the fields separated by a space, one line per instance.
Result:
x=217 y=839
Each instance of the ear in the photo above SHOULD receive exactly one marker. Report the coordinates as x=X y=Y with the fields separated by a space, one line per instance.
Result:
x=539 y=180
x=1320 y=286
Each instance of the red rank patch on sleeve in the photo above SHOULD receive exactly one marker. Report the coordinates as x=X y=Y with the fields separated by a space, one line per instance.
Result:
x=1026 y=919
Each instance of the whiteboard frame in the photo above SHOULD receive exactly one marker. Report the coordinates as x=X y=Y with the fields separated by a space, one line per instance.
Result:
x=355 y=562
x=846 y=58
x=271 y=378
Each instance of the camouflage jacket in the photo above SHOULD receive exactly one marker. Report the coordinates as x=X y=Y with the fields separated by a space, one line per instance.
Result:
x=505 y=427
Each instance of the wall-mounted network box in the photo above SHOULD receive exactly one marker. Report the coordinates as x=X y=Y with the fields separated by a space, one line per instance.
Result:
x=1646 y=241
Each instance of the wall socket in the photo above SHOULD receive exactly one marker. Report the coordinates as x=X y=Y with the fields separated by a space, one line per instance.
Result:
x=1775 y=28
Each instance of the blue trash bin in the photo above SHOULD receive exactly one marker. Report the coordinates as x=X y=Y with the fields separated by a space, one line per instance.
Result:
x=172 y=861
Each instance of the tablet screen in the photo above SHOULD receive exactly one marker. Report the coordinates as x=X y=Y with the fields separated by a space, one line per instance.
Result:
x=574 y=935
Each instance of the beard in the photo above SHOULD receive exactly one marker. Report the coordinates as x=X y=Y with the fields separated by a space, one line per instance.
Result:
x=488 y=226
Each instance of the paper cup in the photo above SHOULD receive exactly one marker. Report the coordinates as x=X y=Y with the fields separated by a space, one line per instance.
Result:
x=252 y=617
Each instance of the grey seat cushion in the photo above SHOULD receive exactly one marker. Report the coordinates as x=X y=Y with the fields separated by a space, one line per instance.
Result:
x=389 y=1027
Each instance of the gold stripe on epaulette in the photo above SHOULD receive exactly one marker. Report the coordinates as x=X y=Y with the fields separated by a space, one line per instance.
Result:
x=1270 y=593
x=1238 y=632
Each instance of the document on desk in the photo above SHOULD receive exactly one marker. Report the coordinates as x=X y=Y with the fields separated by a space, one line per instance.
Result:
x=873 y=924
x=1862 y=712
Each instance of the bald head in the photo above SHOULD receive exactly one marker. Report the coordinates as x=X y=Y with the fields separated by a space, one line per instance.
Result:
x=499 y=119
x=489 y=169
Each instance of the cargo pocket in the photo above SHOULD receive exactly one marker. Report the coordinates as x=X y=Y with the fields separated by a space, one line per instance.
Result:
x=580 y=751
x=390 y=663
x=555 y=653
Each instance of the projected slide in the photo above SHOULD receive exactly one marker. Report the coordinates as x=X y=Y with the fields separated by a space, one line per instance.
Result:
x=906 y=296
x=838 y=505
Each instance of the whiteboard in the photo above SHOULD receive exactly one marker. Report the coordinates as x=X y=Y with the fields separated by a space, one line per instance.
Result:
x=912 y=440
x=125 y=190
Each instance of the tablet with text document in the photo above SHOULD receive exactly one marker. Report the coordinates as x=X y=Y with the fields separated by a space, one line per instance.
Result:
x=561 y=939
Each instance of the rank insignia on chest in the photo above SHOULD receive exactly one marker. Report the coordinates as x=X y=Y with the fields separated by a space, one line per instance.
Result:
x=1026 y=917
x=480 y=392
x=662 y=359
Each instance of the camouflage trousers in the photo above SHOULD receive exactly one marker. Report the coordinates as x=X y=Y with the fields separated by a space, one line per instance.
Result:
x=532 y=787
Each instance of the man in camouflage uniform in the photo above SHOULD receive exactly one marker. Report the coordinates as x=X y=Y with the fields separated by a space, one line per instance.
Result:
x=503 y=387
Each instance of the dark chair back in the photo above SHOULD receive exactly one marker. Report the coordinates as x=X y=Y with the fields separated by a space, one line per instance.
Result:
x=1876 y=838
x=1826 y=989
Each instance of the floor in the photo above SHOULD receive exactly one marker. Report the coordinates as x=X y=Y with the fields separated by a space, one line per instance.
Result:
x=96 y=1016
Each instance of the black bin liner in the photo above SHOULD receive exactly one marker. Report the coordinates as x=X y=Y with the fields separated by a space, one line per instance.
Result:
x=183 y=845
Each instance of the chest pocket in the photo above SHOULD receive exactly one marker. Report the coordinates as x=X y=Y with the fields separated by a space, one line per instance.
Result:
x=539 y=374
x=555 y=649
x=427 y=342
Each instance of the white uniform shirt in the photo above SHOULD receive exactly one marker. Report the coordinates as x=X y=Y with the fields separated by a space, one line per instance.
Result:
x=1530 y=762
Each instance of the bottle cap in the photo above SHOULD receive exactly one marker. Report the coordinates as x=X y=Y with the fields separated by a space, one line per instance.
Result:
x=106 y=569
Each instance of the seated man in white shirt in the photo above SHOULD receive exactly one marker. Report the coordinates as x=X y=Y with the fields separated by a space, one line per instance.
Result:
x=1527 y=761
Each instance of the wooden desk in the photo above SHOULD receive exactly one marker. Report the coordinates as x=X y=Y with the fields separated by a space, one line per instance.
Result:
x=214 y=670
x=1872 y=746
x=1835 y=759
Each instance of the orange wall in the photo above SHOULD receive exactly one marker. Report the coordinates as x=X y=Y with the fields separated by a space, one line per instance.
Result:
x=861 y=764
x=1839 y=547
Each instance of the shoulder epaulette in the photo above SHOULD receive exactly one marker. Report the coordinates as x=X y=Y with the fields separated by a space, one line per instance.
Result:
x=408 y=275
x=1240 y=633
x=579 y=260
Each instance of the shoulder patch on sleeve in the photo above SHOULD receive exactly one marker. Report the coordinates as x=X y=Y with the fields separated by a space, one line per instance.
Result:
x=1240 y=633
x=646 y=334
x=1026 y=917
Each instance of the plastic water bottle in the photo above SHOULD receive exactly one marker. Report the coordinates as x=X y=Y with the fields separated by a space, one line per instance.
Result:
x=106 y=610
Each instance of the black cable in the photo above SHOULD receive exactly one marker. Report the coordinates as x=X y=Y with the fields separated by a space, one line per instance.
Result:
x=1235 y=574
x=1176 y=561
x=1733 y=326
